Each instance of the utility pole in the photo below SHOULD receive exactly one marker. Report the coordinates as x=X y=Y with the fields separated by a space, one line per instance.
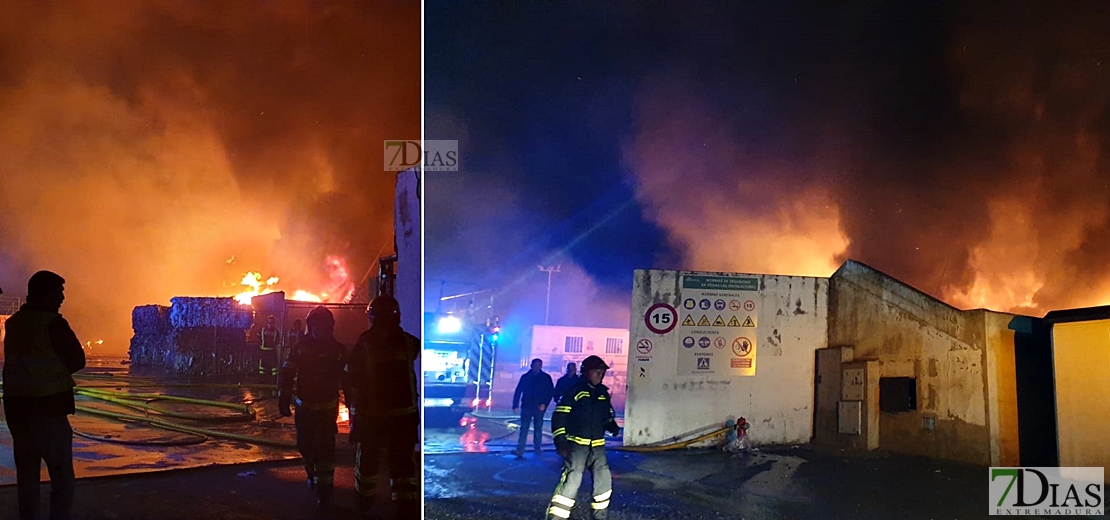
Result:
x=549 y=271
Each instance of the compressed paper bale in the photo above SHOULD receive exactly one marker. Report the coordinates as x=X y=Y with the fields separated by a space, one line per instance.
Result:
x=150 y=319
x=227 y=313
x=149 y=349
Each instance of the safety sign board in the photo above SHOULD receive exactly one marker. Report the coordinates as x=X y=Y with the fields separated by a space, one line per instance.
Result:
x=661 y=318
x=716 y=309
x=644 y=346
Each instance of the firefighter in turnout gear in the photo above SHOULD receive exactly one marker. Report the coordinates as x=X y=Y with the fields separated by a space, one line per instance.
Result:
x=579 y=423
x=385 y=414
x=268 y=351
x=311 y=379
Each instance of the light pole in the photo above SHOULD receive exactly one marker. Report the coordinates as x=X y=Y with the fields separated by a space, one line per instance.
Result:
x=549 y=271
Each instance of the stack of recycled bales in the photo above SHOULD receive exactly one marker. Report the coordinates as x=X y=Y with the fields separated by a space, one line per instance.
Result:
x=194 y=336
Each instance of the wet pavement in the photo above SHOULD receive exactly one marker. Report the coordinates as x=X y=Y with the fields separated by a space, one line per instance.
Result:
x=486 y=481
x=105 y=446
x=257 y=491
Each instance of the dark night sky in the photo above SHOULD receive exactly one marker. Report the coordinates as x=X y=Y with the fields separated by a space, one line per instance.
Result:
x=956 y=148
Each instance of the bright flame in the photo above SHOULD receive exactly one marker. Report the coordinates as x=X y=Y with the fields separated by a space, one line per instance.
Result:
x=339 y=288
x=344 y=414
x=305 y=296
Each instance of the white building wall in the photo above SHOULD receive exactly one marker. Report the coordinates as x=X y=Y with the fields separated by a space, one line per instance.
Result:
x=549 y=344
x=791 y=324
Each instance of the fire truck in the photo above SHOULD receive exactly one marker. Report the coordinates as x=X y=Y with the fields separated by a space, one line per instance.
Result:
x=458 y=361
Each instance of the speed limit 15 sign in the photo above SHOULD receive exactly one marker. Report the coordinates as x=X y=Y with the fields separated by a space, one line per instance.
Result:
x=661 y=318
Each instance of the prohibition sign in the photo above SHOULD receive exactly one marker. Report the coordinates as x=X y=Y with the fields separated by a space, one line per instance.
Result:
x=643 y=346
x=734 y=305
x=661 y=318
x=741 y=347
x=749 y=306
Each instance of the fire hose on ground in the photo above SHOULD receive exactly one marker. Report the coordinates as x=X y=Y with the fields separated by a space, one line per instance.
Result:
x=672 y=443
x=141 y=402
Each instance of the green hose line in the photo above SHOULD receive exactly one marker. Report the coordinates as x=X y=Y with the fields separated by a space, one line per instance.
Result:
x=189 y=429
x=181 y=385
x=197 y=439
x=140 y=401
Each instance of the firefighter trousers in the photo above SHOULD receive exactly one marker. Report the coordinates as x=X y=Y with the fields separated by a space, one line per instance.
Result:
x=398 y=444
x=579 y=459
x=316 y=431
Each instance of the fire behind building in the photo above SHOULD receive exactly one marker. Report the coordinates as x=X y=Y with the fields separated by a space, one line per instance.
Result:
x=861 y=360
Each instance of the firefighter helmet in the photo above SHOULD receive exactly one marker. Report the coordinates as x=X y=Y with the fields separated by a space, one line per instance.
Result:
x=593 y=362
x=319 y=316
x=384 y=308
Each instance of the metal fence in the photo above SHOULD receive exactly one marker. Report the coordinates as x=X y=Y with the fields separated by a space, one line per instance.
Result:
x=9 y=304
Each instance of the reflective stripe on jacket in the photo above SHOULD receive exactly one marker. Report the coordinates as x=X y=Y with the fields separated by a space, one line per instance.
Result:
x=583 y=415
x=32 y=367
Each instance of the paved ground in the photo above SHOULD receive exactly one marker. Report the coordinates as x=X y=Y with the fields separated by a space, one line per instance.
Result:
x=104 y=446
x=786 y=483
x=257 y=491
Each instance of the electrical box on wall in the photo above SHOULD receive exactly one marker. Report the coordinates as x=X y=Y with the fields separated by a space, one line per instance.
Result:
x=849 y=417
x=852 y=384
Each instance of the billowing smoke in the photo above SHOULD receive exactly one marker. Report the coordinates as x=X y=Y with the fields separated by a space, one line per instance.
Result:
x=960 y=151
x=482 y=235
x=160 y=149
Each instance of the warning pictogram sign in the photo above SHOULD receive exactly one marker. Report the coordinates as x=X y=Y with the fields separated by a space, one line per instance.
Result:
x=719 y=322
x=734 y=322
x=749 y=322
x=688 y=322
x=703 y=322
x=741 y=347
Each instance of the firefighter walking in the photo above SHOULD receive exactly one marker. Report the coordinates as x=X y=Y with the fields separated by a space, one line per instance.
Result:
x=583 y=415
x=311 y=379
x=385 y=416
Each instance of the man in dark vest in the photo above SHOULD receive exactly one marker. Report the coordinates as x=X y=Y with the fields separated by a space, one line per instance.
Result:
x=41 y=353
x=385 y=416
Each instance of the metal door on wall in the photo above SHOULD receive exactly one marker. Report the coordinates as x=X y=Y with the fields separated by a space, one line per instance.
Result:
x=826 y=395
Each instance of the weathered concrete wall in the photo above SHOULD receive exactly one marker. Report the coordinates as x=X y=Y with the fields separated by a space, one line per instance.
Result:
x=777 y=400
x=909 y=334
x=406 y=229
x=1002 y=404
x=1081 y=360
